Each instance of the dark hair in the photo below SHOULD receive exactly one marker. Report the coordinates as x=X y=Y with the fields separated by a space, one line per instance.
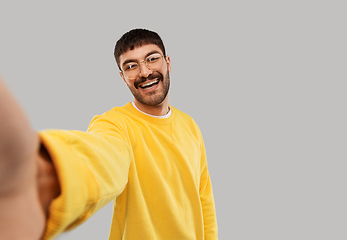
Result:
x=136 y=38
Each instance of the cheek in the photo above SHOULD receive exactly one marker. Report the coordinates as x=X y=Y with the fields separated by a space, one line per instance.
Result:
x=166 y=69
x=128 y=84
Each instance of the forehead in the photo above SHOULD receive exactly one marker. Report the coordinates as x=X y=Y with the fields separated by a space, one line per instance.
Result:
x=139 y=53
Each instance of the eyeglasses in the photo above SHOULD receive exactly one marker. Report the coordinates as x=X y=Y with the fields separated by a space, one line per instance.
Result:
x=132 y=70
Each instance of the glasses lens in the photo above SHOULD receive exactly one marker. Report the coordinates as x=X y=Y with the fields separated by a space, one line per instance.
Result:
x=154 y=61
x=131 y=70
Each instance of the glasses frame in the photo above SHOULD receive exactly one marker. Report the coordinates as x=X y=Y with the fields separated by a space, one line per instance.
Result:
x=139 y=64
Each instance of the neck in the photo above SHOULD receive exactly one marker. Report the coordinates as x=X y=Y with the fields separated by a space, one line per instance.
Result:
x=158 y=110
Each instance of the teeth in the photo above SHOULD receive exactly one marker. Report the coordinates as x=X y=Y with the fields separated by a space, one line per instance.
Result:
x=149 y=83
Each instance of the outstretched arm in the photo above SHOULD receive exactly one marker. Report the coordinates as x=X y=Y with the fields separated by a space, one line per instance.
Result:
x=27 y=176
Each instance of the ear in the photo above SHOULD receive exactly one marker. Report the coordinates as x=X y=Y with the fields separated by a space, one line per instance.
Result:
x=168 y=63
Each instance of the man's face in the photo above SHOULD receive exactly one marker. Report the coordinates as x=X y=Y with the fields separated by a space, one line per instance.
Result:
x=150 y=87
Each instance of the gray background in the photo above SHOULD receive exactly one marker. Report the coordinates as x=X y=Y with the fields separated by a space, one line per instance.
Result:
x=265 y=81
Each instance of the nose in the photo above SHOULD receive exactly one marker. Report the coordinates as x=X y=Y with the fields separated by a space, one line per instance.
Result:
x=144 y=70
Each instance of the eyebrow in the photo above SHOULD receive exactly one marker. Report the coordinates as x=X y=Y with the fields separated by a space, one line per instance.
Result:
x=134 y=60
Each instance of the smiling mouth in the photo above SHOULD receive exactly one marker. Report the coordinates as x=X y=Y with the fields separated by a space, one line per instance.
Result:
x=150 y=84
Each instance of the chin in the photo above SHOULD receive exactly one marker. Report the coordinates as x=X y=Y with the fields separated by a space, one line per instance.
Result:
x=156 y=101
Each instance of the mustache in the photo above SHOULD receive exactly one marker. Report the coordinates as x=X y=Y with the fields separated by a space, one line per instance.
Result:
x=150 y=77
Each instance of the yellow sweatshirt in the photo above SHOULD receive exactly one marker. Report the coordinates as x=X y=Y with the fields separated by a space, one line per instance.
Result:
x=154 y=169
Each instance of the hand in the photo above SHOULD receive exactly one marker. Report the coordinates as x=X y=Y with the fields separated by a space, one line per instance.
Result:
x=28 y=182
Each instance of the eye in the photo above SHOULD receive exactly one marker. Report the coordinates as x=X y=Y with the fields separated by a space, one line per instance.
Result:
x=130 y=66
x=153 y=58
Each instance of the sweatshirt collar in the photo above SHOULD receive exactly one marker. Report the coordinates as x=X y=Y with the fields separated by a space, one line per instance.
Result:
x=161 y=117
x=152 y=119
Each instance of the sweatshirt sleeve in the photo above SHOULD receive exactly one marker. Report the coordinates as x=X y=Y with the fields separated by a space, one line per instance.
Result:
x=92 y=170
x=207 y=200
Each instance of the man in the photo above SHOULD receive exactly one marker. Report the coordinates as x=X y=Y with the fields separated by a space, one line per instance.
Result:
x=147 y=156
